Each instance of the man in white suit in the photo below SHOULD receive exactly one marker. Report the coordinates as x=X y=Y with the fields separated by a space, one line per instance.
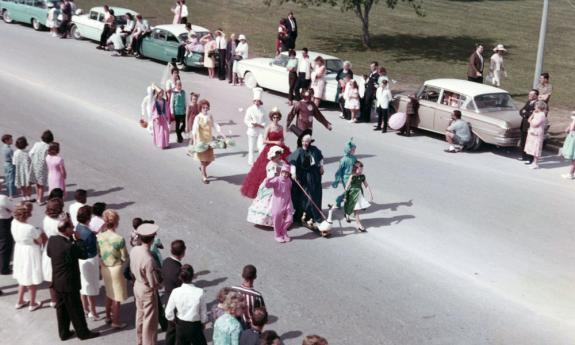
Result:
x=255 y=121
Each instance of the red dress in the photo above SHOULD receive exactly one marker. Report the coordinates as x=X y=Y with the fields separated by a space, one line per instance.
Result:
x=257 y=173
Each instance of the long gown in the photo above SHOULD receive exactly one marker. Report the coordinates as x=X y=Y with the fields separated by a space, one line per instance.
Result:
x=308 y=173
x=354 y=199
x=161 y=124
x=260 y=211
x=257 y=173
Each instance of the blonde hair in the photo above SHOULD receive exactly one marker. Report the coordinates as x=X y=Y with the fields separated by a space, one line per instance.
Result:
x=111 y=219
x=233 y=302
x=314 y=340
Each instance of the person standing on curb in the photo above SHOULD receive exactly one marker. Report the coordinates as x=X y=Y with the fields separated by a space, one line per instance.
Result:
x=525 y=113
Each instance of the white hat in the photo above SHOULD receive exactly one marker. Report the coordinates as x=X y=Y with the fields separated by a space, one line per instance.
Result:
x=146 y=230
x=274 y=150
x=242 y=37
x=499 y=47
x=50 y=5
x=257 y=93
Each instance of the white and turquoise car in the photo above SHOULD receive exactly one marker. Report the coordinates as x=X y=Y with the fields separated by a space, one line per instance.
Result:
x=90 y=25
x=33 y=12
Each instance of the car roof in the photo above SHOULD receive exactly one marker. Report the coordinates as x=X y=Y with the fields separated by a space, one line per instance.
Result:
x=313 y=55
x=117 y=10
x=178 y=29
x=466 y=87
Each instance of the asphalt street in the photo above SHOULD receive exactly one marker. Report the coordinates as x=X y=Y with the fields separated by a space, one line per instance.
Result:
x=468 y=248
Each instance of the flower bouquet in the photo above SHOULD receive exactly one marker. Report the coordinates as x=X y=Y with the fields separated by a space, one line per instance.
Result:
x=222 y=143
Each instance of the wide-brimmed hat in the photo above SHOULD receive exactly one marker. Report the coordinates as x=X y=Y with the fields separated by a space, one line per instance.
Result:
x=146 y=230
x=242 y=37
x=49 y=5
x=499 y=47
x=274 y=151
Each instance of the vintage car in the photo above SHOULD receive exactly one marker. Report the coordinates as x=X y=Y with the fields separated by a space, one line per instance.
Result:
x=33 y=12
x=490 y=111
x=271 y=73
x=163 y=41
x=90 y=25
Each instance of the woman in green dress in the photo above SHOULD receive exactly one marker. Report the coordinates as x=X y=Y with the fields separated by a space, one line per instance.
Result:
x=354 y=199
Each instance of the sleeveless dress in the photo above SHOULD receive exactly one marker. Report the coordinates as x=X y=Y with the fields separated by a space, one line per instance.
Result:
x=204 y=136
x=257 y=173
x=568 y=150
x=354 y=200
x=260 y=211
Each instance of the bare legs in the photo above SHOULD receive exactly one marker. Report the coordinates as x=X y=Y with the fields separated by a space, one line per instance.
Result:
x=211 y=73
x=89 y=303
x=26 y=193
x=113 y=313
x=40 y=192
x=203 y=170
x=31 y=290
x=360 y=226
x=353 y=115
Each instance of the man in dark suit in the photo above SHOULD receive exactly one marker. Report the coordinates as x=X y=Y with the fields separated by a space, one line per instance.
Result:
x=171 y=277
x=230 y=52
x=525 y=113
x=475 y=66
x=65 y=250
x=369 y=95
x=291 y=25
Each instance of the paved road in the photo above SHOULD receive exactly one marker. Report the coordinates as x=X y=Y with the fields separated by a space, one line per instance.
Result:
x=470 y=248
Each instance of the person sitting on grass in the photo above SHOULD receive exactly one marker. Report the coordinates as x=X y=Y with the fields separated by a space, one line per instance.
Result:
x=458 y=133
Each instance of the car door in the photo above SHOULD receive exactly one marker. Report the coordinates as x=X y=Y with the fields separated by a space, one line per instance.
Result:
x=37 y=9
x=93 y=25
x=170 y=47
x=277 y=75
x=428 y=99
x=152 y=46
x=450 y=101
x=18 y=11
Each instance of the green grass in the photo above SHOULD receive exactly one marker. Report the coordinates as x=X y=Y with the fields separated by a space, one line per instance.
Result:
x=412 y=48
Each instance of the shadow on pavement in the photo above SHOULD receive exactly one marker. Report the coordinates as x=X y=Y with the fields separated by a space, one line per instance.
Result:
x=207 y=283
x=291 y=335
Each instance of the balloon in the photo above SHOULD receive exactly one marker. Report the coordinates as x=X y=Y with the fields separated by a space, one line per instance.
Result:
x=397 y=120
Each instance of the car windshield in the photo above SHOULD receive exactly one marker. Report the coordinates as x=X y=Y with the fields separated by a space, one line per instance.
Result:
x=333 y=66
x=494 y=102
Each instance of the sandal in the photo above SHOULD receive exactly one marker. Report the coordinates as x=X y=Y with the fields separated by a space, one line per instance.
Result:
x=21 y=305
x=361 y=229
x=205 y=180
x=347 y=219
x=35 y=306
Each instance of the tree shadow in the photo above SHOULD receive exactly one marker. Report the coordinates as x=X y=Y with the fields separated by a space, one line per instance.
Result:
x=94 y=194
x=335 y=159
x=379 y=222
x=207 y=283
x=120 y=205
x=232 y=179
x=375 y=207
x=407 y=47
x=272 y=319
x=220 y=155
x=291 y=335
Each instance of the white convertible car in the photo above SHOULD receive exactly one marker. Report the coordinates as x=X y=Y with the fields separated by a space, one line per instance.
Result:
x=272 y=74
x=90 y=25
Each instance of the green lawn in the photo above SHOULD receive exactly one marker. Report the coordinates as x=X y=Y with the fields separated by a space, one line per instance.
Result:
x=412 y=48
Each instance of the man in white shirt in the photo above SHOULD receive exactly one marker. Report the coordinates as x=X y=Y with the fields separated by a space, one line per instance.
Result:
x=221 y=45
x=188 y=302
x=184 y=13
x=383 y=97
x=303 y=73
x=255 y=121
x=81 y=197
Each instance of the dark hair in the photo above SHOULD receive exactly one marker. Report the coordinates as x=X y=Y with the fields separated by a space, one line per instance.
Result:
x=314 y=340
x=319 y=59
x=65 y=224
x=111 y=11
x=147 y=239
x=129 y=15
x=305 y=50
x=375 y=63
x=81 y=195
x=21 y=143
x=106 y=7
x=139 y=16
x=535 y=91
x=356 y=165
x=222 y=294
x=259 y=317
x=188 y=25
x=186 y=274
x=268 y=337
x=174 y=70
x=56 y=193
x=545 y=75
x=54 y=208
x=193 y=94
x=53 y=148
x=98 y=208
x=250 y=272
x=178 y=248
x=291 y=52
x=84 y=214
x=136 y=222
x=6 y=138
x=457 y=114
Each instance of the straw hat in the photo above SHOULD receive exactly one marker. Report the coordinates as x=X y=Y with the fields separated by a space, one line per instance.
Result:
x=499 y=47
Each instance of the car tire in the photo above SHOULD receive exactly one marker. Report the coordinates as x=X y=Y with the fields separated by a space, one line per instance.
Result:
x=6 y=17
x=36 y=25
x=75 y=33
x=250 y=80
x=476 y=143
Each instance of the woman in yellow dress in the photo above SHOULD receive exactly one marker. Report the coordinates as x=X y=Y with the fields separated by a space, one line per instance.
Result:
x=202 y=133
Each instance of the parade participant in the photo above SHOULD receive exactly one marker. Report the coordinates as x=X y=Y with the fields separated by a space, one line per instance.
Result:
x=27 y=262
x=202 y=132
x=65 y=250
x=354 y=199
x=148 y=108
x=525 y=113
x=9 y=168
x=170 y=84
x=568 y=150
x=536 y=133
x=496 y=68
x=23 y=178
x=191 y=112
x=38 y=154
x=307 y=161
x=254 y=121
x=304 y=112
x=260 y=211
x=344 y=170
x=56 y=168
x=178 y=109
x=161 y=121
x=80 y=197
x=89 y=267
x=147 y=281
x=53 y=216
x=273 y=136
x=282 y=208
x=187 y=309
x=6 y=239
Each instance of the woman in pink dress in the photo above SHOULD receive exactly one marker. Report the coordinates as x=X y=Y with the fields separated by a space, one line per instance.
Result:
x=56 y=168
x=273 y=136
x=161 y=122
x=177 y=11
x=536 y=133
